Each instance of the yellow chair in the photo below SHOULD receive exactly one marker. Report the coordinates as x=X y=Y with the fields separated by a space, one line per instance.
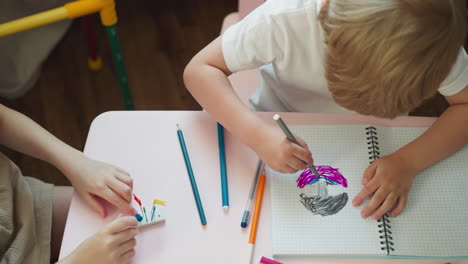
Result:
x=106 y=9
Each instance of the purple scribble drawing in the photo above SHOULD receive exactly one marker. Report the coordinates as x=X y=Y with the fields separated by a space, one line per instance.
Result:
x=330 y=174
x=321 y=202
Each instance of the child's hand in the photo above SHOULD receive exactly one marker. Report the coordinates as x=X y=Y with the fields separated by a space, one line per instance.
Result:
x=115 y=243
x=388 y=180
x=93 y=178
x=282 y=155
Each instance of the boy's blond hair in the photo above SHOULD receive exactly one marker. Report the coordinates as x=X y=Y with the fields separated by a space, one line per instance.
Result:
x=384 y=57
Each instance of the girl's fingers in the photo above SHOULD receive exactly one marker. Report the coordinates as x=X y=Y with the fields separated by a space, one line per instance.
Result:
x=120 y=188
x=125 y=179
x=127 y=245
x=112 y=197
x=120 y=224
x=126 y=256
x=94 y=204
x=125 y=235
x=122 y=171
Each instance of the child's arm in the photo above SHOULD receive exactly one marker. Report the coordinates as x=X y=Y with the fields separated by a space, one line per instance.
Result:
x=206 y=79
x=390 y=177
x=89 y=177
x=114 y=243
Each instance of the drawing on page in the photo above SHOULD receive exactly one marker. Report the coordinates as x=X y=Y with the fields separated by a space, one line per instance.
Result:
x=327 y=191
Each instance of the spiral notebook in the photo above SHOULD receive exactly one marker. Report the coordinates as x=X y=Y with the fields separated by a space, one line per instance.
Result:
x=318 y=220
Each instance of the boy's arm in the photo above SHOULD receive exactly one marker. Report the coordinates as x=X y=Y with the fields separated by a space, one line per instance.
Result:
x=388 y=179
x=89 y=177
x=448 y=134
x=206 y=79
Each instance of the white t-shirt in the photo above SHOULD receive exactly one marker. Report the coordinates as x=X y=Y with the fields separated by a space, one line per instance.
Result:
x=285 y=39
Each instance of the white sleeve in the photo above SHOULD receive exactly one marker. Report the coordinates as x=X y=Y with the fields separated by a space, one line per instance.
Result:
x=255 y=41
x=457 y=79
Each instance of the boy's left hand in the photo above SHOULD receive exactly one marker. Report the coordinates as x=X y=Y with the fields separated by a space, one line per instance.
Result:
x=388 y=180
x=93 y=178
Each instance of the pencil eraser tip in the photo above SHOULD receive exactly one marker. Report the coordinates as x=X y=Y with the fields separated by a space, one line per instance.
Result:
x=243 y=224
x=226 y=208
x=276 y=117
x=138 y=217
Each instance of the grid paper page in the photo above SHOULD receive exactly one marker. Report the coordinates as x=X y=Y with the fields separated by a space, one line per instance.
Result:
x=435 y=220
x=298 y=232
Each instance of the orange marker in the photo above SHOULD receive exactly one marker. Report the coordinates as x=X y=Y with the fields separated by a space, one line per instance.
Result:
x=256 y=214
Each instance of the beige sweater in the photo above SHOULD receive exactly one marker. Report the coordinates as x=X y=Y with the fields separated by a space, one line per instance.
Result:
x=25 y=216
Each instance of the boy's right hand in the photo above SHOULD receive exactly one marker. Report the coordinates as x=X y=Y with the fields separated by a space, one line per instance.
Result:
x=115 y=243
x=280 y=154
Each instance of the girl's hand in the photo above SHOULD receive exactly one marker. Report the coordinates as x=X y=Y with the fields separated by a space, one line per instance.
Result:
x=115 y=243
x=92 y=179
x=388 y=180
x=280 y=154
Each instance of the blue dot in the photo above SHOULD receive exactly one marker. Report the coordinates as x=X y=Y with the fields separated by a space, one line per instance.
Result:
x=139 y=217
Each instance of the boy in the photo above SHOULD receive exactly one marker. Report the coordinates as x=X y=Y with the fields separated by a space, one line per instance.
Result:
x=373 y=57
x=33 y=213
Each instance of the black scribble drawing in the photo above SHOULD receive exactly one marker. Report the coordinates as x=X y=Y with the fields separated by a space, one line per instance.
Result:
x=324 y=206
x=321 y=203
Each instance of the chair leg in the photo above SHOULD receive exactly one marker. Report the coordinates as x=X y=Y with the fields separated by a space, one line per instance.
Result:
x=94 y=60
x=120 y=66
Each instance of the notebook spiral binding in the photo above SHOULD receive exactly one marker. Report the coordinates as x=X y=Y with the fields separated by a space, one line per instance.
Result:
x=386 y=239
x=374 y=151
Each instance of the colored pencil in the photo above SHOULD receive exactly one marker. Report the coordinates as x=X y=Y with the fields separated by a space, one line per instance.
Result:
x=222 y=165
x=152 y=212
x=256 y=215
x=248 y=204
x=291 y=138
x=188 y=165
x=138 y=202
x=144 y=212
x=269 y=261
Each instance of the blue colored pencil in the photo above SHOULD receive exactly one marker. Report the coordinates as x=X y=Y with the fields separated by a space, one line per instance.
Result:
x=191 y=176
x=152 y=212
x=222 y=165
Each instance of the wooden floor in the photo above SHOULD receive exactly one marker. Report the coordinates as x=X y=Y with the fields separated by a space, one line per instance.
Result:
x=158 y=39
